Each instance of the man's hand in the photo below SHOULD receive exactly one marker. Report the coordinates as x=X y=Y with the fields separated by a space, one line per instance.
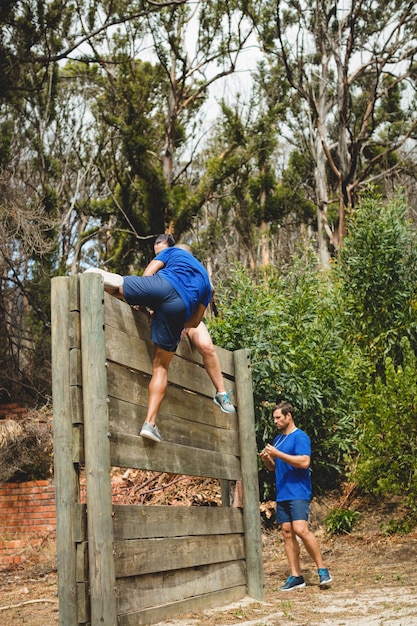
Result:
x=267 y=459
x=270 y=450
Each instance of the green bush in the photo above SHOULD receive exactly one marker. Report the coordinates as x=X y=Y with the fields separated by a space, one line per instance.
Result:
x=401 y=526
x=340 y=521
x=387 y=446
x=341 y=347
x=290 y=322
x=377 y=270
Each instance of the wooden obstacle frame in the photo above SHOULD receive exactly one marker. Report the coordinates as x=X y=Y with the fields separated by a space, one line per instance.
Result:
x=131 y=565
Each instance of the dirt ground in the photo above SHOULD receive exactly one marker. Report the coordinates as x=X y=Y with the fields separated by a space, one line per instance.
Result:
x=374 y=581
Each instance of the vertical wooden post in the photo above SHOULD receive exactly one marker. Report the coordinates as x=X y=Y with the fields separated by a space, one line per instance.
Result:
x=97 y=453
x=65 y=474
x=250 y=485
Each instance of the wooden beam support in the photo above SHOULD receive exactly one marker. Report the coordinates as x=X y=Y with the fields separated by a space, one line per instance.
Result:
x=65 y=472
x=97 y=453
x=249 y=466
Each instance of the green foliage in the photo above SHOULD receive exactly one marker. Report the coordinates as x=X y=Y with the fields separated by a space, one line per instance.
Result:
x=387 y=446
x=378 y=287
x=377 y=269
x=401 y=526
x=290 y=322
x=340 y=521
x=129 y=121
x=95 y=145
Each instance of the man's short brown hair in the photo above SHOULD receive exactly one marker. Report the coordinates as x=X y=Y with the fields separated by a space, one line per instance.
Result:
x=285 y=407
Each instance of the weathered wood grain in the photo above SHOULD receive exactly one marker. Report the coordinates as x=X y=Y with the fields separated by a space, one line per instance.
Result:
x=65 y=473
x=130 y=564
x=174 y=609
x=137 y=324
x=138 y=453
x=140 y=522
x=97 y=453
x=137 y=593
x=135 y=352
x=195 y=431
x=146 y=556
x=130 y=385
x=250 y=484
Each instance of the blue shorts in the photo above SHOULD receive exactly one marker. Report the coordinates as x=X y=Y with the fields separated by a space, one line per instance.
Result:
x=292 y=510
x=159 y=295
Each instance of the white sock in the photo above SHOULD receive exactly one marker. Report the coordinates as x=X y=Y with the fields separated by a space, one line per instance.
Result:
x=113 y=281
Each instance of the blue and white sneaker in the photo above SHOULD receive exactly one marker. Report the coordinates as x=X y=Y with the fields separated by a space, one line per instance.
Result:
x=324 y=575
x=293 y=582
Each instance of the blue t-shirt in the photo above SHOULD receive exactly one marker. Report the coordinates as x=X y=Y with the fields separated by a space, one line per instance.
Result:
x=188 y=277
x=292 y=483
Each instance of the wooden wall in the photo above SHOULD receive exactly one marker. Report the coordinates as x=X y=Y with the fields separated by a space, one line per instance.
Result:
x=134 y=565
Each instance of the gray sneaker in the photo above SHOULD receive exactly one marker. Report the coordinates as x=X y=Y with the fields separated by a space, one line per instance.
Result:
x=224 y=402
x=150 y=432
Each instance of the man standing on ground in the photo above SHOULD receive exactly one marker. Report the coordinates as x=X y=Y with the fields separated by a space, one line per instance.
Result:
x=290 y=457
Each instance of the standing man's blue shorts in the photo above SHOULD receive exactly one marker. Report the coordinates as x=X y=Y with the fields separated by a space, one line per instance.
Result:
x=292 y=510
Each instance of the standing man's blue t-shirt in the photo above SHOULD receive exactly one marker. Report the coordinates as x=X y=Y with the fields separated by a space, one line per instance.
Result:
x=188 y=277
x=292 y=483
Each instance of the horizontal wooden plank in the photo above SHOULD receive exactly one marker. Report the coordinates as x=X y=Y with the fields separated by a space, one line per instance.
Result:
x=127 y=383
x=120 y=315
x=137 y=324
x=133 y=352
x=139 y=521
x=146 y=556
x=187 y=351
x=128 y=350
x=138 y=453
x=131 y=386
x=140 y=592
x=176 y=609
x=128 y=418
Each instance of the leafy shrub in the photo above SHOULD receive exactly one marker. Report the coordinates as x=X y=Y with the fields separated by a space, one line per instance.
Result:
x=378 y=286
x=387 y=446
x=340 y=521
x=290 y=321
x=401 y=526
x=341 y=347
x=377 y=270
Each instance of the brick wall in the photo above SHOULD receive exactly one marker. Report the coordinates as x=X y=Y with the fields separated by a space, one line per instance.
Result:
x=27 y=510
x=27 y=514
x=12 y=411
